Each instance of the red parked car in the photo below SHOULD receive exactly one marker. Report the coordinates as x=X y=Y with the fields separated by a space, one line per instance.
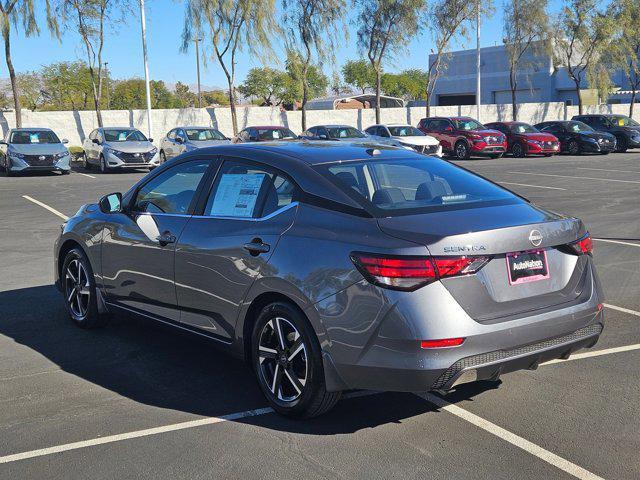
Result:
x=464 y=137
x=524 y=139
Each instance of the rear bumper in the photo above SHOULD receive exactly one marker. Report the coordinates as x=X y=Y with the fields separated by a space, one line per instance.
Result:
x=391 y=359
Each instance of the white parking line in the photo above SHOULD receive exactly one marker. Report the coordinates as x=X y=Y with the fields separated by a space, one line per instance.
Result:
x=536 y=186
x=47 y=207
x=84 y=174
x=618 y=242
x=512 y=438
x=622 y=309
x=581 y=178
x=608 y=170
x=595 y=353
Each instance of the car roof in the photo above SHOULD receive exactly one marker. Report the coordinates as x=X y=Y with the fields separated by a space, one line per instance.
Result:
x=316 y=152
x=279 y=127
x=333 y=125
x=30 y=129
x=194 y=127
x=116 y=128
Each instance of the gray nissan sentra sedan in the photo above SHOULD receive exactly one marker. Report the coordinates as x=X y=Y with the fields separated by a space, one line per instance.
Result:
x=34 y=149
x=332 y=266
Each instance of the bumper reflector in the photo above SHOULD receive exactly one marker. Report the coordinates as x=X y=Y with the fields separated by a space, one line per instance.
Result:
x=442 y=343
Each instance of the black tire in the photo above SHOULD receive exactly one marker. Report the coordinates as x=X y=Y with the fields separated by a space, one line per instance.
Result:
x=573 y=148
x=496 y=155
x=85 y=164
x=622 y=144
x=301 y=353
x=104 y=168
x=163 y=157
x=517 y=150
x=64 y=172
x=548 y=154
x=605 y=153
x=79 y=290
x=461 y=150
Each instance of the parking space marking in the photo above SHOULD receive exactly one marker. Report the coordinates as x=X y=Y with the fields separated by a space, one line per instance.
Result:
x=618 y=242
x=47 y=207
x=580 y=178
x=622 y=309
x=536 y=186
x=84 y=174
x=516 y=440
x=595 y=353
x=608 y=170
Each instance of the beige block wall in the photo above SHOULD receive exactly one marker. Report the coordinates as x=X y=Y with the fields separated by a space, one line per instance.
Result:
x=76 y=125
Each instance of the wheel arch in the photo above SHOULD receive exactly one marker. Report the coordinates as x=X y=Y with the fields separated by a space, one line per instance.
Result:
x=68 y=245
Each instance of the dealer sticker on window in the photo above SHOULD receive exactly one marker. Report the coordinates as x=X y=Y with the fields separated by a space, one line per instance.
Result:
x=527 y=266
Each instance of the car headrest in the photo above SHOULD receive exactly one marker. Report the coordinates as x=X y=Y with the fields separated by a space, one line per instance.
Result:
x=432 y=189
x=387 y=196
x=348 y=179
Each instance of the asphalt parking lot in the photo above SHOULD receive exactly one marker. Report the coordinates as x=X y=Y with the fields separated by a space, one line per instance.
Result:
x=135 y=400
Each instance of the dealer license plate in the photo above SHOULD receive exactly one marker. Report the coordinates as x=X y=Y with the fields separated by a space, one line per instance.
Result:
x=529 y=266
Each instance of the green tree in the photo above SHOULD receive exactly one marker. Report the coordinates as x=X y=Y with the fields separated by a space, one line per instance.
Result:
x=384 y=26
x=183 y=96
x=526 y=34
x=265 y=84
x=293 y=92
x=582 y=35
x=20 y=13
x=31 y=91
x=626 y=46
x=230 y=25
x=446 y=20
x=359 y=74
x=67 y=85
x=90 y=18
x=408 y=84
x=312 y=28
x=130 y=94
x=216 y=97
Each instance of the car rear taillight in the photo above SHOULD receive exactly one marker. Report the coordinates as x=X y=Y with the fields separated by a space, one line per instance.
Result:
x=410 y=273
x=584 y=246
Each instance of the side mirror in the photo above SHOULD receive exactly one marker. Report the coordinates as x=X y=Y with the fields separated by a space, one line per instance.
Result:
x=448 y=129
x=111 y=203
x=178 y=140
x=96 y=141
x=150 y=140
x=64 y=140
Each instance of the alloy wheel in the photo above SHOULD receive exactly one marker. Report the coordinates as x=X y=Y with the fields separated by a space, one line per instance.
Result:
x=77 y=289
x=573 y=147
x=282 y=359
x=517 y=150
x=461 y=151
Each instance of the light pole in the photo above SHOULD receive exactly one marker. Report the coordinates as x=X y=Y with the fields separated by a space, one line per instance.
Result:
x=478 y=60
x=197 y=40
x=146 y=66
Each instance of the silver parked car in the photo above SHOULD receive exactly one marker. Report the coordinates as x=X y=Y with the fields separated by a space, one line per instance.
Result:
x=34 y=149
x=406 y=136
x=112 y=148
x=185 y=139
x=335 y=266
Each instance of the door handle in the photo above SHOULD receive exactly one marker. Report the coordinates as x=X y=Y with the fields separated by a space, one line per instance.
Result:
x=256 y=247
x=166 y=238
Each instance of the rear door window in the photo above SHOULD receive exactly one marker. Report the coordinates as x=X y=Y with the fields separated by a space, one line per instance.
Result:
x=247 y=190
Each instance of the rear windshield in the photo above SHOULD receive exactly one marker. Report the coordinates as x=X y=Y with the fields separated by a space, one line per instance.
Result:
x=123 y=135
x=408 y=186
x=405 y=131
x=26 y=137
x=344 y=132
x=203 y=134
x=275 y=133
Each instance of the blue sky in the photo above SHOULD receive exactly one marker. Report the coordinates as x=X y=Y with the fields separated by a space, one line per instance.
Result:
x=123 y=48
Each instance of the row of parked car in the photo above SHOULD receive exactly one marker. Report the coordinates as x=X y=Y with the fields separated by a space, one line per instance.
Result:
x=111 y=148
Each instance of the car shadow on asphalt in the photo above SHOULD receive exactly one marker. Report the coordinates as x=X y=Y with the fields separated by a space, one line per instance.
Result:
x=163 y=367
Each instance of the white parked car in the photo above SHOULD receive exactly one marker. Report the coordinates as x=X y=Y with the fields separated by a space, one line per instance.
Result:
x=111 y=148
x=405 y=136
